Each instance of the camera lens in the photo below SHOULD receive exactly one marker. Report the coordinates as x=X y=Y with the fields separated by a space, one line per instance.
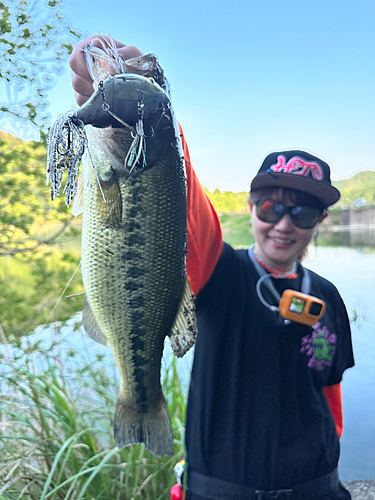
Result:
x=315 y=309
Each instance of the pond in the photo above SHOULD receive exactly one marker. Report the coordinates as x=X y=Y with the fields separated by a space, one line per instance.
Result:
x=354 y=236
x=353 y=272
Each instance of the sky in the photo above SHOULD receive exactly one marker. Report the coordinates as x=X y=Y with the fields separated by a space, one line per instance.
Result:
x=249 y=77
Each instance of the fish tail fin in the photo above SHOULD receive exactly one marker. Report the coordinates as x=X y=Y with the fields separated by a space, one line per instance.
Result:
x=153 y=428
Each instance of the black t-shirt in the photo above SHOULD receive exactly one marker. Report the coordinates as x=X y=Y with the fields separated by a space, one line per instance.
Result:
x=257 y=415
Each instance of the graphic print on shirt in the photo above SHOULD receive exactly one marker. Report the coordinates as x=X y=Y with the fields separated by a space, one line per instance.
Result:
x=319 y=346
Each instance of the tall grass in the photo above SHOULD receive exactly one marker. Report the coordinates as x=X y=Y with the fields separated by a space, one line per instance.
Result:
x=56 y=438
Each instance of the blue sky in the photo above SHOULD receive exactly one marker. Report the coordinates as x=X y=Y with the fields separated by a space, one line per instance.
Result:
x=249 y=77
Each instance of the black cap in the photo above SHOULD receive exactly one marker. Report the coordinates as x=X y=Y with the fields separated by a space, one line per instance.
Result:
x=297 y=170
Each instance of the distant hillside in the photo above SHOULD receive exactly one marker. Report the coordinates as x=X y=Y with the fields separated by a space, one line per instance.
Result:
x=362 y=185
x=228 y=202
x=12 y=139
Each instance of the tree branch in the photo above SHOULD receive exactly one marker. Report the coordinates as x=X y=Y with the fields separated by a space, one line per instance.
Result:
x=15 y=251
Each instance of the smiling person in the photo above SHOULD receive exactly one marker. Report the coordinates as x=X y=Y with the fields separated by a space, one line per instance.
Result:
x=264 y=411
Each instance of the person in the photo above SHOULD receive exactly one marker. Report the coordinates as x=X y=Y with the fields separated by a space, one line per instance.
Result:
x=264 y=412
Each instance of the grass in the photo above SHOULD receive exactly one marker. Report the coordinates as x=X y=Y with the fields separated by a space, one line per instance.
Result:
x=236 y=230
x=56 y=438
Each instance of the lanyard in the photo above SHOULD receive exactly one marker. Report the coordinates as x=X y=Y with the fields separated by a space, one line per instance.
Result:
x=265 y=277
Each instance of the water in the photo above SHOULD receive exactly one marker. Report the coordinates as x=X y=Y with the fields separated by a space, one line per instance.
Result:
x=349 y=236
x=353 y=272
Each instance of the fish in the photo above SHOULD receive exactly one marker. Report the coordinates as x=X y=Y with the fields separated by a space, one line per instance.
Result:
x=132 y=192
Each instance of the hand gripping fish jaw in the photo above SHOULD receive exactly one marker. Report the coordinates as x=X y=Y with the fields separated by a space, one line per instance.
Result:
x=107 y=61
x=125 y=101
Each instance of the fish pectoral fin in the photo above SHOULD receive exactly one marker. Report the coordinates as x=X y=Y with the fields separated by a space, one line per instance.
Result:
x=91 y=326
x=77 y=206
x=184 y=330
x=152 y=427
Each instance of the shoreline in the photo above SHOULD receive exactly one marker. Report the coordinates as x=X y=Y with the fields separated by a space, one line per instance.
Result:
x=362 y=489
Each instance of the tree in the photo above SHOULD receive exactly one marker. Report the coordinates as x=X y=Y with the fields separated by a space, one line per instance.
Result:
x=36 y=265
x=37 y=261
x=25 y=199
x=35 y=42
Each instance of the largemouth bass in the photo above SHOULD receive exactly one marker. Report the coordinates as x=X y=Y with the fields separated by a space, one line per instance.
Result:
x=133 y=235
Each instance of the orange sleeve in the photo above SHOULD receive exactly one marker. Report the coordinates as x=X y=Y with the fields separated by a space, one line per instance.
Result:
x=204 y=239
x=333 y=396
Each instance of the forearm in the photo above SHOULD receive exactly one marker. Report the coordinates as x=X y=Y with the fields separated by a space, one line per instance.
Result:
x=204 y=239
x=333 y=396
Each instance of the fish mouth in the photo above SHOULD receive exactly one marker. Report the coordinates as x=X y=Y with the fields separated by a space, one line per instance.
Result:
x=134 y=98
x=126 y=102
x=122 y=100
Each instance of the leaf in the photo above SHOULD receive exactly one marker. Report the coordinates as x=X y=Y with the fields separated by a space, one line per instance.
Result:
x=35 y=42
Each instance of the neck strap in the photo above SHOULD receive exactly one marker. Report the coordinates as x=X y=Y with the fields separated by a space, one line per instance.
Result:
x=265 y=277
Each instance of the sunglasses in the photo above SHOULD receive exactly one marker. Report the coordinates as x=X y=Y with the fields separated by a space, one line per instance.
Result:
x=301 y=216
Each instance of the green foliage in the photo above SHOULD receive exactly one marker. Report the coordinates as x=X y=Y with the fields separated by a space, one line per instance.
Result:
x=228 y=202
x=33 y=288
x=56 y=437
x=236 y=230
x=362 y=185
x=35 y=41
x=26 y=220
x=38 y=252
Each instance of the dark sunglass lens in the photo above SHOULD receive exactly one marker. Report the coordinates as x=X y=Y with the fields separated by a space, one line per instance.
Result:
x=305 y=217
x=279 y=208
x=267 y=211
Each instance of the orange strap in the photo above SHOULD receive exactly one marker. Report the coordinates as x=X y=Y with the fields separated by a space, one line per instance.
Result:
x=333 y=396
x=204 y=239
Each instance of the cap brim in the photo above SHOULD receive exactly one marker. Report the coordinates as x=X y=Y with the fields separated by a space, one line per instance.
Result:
x=328 y=195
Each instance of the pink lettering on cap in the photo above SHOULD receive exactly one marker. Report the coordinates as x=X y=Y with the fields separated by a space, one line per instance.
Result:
x=298 y=166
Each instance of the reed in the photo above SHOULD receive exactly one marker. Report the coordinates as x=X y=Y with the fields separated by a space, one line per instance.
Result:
x=56 y=435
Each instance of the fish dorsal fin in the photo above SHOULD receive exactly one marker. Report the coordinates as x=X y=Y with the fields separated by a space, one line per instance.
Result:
x=91 y=326
x=184 y=330
x=77 y=206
